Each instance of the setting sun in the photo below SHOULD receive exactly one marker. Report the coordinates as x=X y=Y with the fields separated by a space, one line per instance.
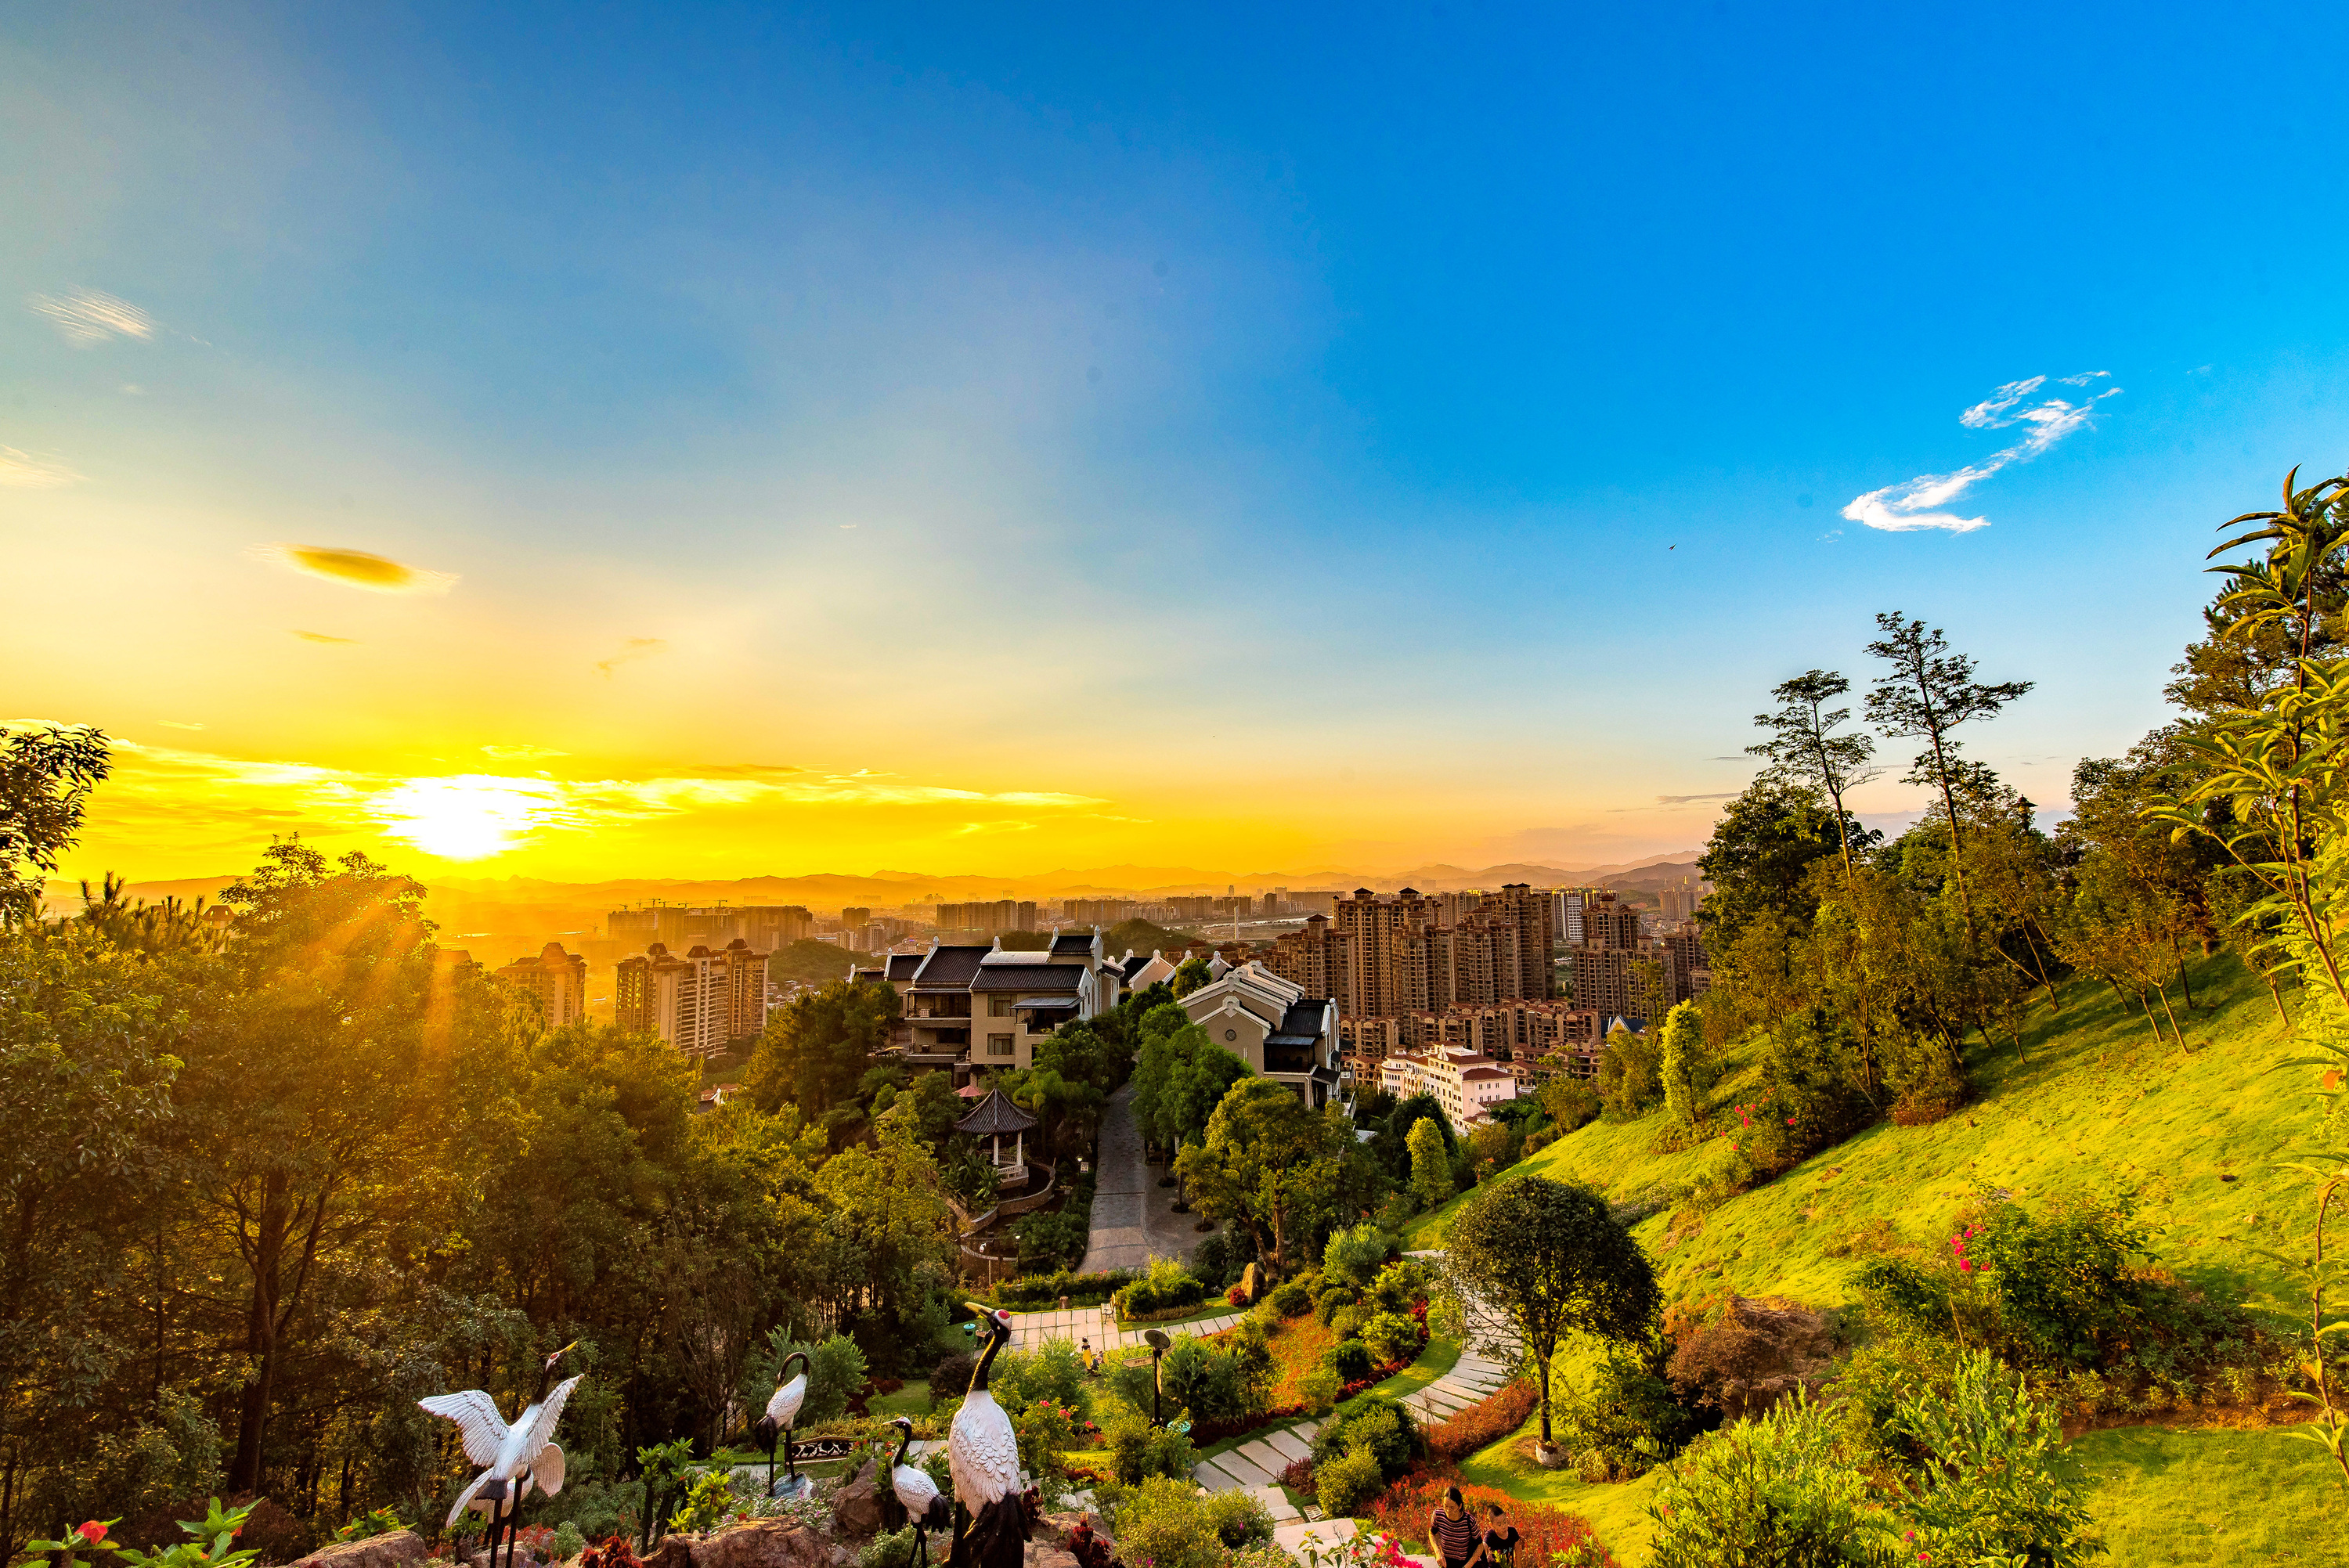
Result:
x=468 y=818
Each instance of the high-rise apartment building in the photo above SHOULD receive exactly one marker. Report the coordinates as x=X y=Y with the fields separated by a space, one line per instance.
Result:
x=698 y=1003
x=676 y=926
x=1406 y=954
x=556 y=978
x=1681 y=901
x=1609 y=921
x=1098 y=910
x=989 y=917
x=1315 y=960
x=855 y=915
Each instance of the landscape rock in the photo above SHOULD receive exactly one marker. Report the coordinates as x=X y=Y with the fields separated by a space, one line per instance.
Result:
x=856 y=1507
x=1251 y=1283
x=399 y=1549
x=674 y=1551
x=761 y=1543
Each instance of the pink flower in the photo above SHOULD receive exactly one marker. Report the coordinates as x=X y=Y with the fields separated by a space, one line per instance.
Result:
x=92 y=1531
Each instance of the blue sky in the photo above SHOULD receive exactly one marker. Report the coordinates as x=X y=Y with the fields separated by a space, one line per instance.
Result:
x=1315 y=436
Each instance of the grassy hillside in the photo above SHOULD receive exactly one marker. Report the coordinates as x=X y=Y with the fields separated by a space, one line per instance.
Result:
x=2097 y=1107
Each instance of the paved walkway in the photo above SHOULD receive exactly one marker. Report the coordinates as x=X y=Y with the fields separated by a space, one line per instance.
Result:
x=1095 y=1324
x=1133 y=1218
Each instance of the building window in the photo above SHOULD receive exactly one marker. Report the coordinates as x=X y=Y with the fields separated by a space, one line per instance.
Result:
x=998 y=1045
x=998 y=1006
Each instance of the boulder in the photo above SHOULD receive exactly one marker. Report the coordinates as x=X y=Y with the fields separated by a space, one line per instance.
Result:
x=400 y=1549
x=673 y=1551
x=1251 y=1283
x=1044 y=1554
x=856 y=1507
x=761 y=1543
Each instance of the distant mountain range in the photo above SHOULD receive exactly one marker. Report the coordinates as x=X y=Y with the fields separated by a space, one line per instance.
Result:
x=509 y=916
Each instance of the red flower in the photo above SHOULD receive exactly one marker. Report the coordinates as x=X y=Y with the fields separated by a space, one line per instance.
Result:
x=91 y=1532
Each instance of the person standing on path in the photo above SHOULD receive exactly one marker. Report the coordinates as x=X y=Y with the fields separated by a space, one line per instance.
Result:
x=1452 y=1533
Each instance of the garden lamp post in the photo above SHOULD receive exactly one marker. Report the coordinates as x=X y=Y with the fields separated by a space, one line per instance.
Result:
x=1158 y=1342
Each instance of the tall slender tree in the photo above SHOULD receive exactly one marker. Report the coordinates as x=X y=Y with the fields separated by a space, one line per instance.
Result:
x=1928 y=692
x=1808 y=743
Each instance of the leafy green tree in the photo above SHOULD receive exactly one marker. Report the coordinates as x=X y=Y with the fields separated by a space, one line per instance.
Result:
x=1808 y=745
x=46 y=777
x=1630 y=1083
x=1549 y=1257
x=1285 y=1171
x=1927 y=692
x=1189 y=976
x=818 y=1045
x=888 y=1233
x=1431 y=1164
x=1760 y=855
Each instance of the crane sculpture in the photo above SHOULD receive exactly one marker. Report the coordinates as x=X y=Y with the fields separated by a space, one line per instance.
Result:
x=513 y=1458
x=782 y=1411
x=983 y=1454
x=926 y=1506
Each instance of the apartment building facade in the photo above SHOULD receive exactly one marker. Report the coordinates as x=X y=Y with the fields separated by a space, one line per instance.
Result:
x=764 y=926
x=557 y=979
x=988 y=917
x=1270 y=1023
x=700 y=1003
x=968 y=1006
x=1465 y=1084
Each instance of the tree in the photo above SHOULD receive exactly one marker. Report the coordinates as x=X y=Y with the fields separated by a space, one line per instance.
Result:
x=888 y=1232
x=1807 y=748
x=1282 y=1170
x=1189 y=976
x=46 y=777
x=312 y=1092
x=1928 y=692
x=816 y=1048
x=1683 y=1045
x=1548 y=1257
x=1762 y=850
x=1431 y=1164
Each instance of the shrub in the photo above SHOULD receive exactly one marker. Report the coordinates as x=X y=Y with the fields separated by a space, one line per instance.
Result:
x=617 y=1552
x=1390 y=1336
x=1167 y=1288
x=894 y=1548
x=1381 y=1425
x=1349 y=1359
x=1485 y=1422
x=1320 y=1389
x=1996 y=1488
x=1222 y=1258
x=1571 y=1103
x=1291 y=1299
x=1333 y=1299
x=1213 y=1382
x=1402 y=1283
x=1137 y=1450
x=1632 y=1418
x=1046 y=1290
x=1345 y=1483
x=1773 y=1490
x=1354 y=1256
x=1051 y=1372
x=1348 y=1320
x=1238 y=1520
x=383 y=1522
x=835 y=1375
x=708 y=1502
x=568 y=1542
x=1166 y=1522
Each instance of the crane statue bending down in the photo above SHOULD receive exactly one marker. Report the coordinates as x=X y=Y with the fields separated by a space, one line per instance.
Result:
x=983 y=1454
x=919 y=1495
x=513 y=1458
x=782 y=1410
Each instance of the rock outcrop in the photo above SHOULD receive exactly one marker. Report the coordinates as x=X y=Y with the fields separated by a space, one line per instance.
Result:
x=399 y=1549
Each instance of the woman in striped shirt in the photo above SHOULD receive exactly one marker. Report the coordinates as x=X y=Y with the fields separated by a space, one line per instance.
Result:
x=1452 y=1531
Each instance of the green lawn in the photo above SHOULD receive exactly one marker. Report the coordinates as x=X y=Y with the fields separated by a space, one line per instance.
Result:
x=2096 y=1109
x=913 y=1399
x=1439 y=1357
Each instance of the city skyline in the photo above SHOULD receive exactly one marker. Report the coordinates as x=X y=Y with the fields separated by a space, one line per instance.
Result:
x=522 y=444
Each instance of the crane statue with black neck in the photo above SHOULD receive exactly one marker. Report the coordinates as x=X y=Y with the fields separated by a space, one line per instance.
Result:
x=983 y=1456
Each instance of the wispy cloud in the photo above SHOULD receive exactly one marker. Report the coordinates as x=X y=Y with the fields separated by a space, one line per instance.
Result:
x=633 y=649
x=1687 y=800
x=321 y=637
x=178 y=724
x=1909 y=505
x=24 y=472
x=519 y=753
x=86 y=317
x=353 y=567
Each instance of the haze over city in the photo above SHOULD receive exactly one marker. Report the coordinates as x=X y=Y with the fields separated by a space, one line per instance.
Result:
x=582 y=447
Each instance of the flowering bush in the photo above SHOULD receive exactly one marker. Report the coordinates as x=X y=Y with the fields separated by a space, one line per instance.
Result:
x=1485 y=1422
x=1546 y=1535
x=615 y=1552
x=1236 y=1296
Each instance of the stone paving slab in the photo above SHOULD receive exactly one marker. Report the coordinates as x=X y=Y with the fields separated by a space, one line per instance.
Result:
x=1328 y=1532
x=1288 y=1445
x=1276 y=1503
x=1211 y=1474
x=1264 y=1457
x=1251 y=1474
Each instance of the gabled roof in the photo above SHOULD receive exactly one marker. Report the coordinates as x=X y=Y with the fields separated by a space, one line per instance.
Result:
x=1026 y=977
x=949 y=968
x=1077 y=942
x=995 y=1114
x=901 y=966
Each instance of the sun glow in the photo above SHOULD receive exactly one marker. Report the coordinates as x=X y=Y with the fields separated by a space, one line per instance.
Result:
x=470 y=817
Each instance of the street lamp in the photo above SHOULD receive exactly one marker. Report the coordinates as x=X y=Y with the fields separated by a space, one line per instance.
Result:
x=1158 y=1342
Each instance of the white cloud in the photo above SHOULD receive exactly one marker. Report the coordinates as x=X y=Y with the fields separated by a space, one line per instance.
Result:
x=87 y=318
x=1909 y=505
x=24 y=472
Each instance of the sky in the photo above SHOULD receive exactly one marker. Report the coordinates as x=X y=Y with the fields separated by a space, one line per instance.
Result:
x=579 y=442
